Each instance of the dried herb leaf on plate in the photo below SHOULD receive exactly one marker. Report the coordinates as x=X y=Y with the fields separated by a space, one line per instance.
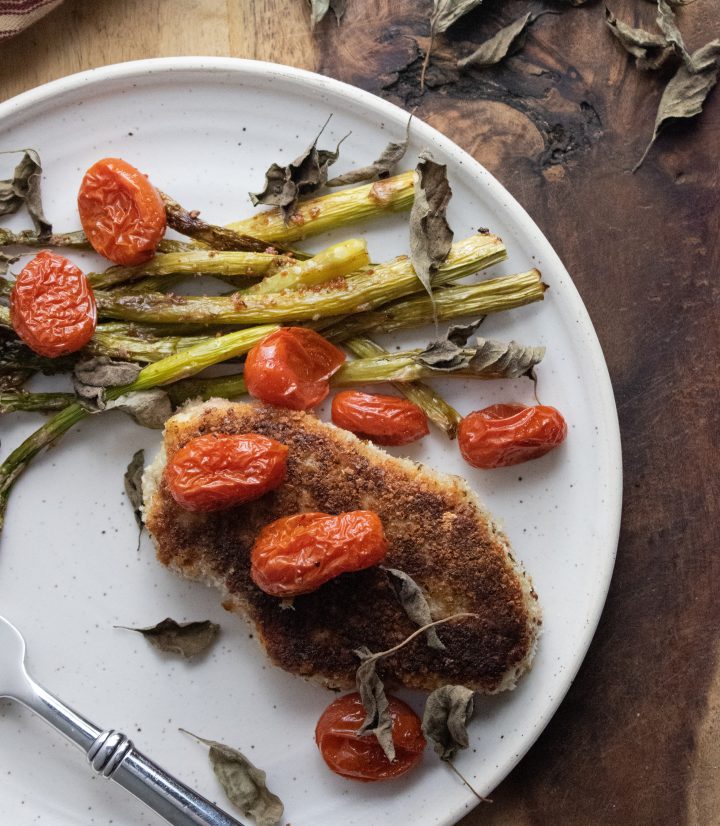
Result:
x=24 y=189
x=430 y=233
x=415 y=604
x=185 y=639
x=379 y=168
x=285 y=184
x=244 y=783
x=377 y=709
x=133 y=484
x=447 y=712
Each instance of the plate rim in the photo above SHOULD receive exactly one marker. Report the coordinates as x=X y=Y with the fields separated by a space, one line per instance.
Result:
x=516 y=212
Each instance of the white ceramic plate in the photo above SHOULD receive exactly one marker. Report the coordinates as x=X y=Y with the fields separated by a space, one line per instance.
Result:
x=205 y=129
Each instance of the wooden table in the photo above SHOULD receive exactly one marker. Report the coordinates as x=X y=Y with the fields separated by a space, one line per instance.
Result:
x=561 y=124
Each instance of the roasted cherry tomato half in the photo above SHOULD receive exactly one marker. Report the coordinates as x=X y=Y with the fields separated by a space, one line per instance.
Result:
x=385 y=420
x=292 y=367
x=217 y=471
x=507 y=434
x=297 y=554
x=360 y=757
x=121 y=212
x=52 y=306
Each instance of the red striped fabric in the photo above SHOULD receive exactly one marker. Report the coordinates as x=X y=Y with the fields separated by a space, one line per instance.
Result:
x=16 y=15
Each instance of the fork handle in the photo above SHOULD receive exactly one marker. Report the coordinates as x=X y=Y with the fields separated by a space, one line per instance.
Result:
x=113 y=755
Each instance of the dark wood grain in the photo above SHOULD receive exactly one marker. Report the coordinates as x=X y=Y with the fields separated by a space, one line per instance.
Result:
x=561 y=124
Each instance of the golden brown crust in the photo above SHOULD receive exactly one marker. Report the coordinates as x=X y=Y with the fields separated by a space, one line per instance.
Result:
x=437 y=533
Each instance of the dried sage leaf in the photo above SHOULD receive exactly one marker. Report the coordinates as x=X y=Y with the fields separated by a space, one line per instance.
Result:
x=285 y=184
x=375 y=702
x=505 y=42
x=149 y=408
x=430 y=233
x=686 y=91
x=379 y=168
x=450 y=353
x=447 y=712
x=492 y=359
x=24 y=188
x=415 y=604
x=666 y=23
x=186 y=639
x=372 y=691
x=5 y=261
x=133 y=484
x=319 y=8
x=92 y=376
x=650 y=50
x=244 y=783
x=446 y=12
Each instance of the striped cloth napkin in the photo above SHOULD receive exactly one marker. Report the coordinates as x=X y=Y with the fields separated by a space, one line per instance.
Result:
x=16 y=15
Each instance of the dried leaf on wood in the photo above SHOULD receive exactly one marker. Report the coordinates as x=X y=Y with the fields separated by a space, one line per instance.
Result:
x=447 y=12
x=667 y=25
x=186 y=639
x=319 y=8
x=430 y=233
x=285 y=184
x=650 y=50
x=686 y=91
x=24 y=188
x=505 y=42
x=444 y=14
x=415 y=604
x=447 y=712
x=378 y=169
x=244 y=783
x=133 y=484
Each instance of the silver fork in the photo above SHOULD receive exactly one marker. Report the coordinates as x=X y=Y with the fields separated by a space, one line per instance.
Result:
x=110 y=753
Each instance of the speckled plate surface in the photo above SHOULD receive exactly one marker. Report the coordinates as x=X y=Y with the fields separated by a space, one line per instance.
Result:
x=205 y=129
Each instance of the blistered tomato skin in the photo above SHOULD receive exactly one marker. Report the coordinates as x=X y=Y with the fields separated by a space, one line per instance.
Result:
x=292 y=368
x=297 y=554
x=52 y=306
x=218 y=471
x=121 y=212
x=360 y=757
x=385 y=420
x=508 y=434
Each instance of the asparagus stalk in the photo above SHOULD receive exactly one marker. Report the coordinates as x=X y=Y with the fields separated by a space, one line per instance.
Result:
x=361 y=291
x=173 y=368
x=71 y=240
x=12 y=400
x=217 y=238
x=30 y=238
x=491 y=296
x=428 y=400
x=134 y=348
x=331 y=263
x=327 y=212
x=192 y=262
x=5 y=316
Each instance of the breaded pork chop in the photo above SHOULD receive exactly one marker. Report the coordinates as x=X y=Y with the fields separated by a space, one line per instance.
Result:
x=437 y=533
